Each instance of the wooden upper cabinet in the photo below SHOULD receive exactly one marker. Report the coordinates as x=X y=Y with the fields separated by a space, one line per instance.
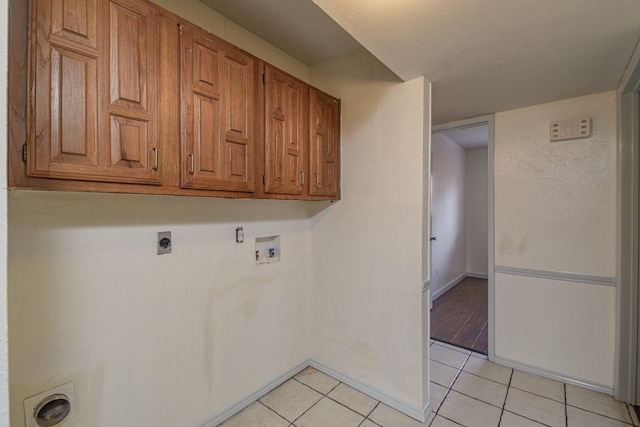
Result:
x=99 y=118
x=93 y=113
x=286 y=132
x=217 y=84
x=324 y=146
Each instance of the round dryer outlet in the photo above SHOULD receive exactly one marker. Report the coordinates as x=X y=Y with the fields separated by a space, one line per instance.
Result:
x=51 y=408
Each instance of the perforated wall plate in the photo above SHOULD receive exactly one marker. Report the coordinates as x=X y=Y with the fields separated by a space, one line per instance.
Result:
x=570 y=129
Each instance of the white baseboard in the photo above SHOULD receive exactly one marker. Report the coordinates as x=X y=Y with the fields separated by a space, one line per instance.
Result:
x=451 y=284
x=420 y=415
x=478 y=275
x=417 y=414
x=455 y=281
x=553 y=375
x=240 y=405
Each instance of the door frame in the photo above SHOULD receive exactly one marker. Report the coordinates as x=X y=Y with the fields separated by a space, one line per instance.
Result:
x=627 y=379
x=488 y=120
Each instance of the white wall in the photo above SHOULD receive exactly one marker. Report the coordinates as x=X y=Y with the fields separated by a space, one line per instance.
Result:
x=367 y=303
x=200 y=14
x=448 y=213
x=477 y=199
x=152 y=340
x=4 y=363
x=555 y=211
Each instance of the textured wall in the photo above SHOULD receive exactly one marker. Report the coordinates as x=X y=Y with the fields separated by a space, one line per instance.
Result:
x=366 y=297
x=152 y=340
x=555 y=210
x=477 y=211
x=448 y=213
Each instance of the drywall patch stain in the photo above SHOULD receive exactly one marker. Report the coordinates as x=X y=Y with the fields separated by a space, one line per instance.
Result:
x=366 y=356
x=209 y=340
x=248 y=309
x=96 y=385
x=507 y=245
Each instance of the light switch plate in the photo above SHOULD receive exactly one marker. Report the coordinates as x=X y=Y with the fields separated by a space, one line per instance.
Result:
x=163 y=243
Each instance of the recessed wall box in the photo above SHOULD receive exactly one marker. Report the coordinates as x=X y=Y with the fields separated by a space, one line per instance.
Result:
x=267 y=250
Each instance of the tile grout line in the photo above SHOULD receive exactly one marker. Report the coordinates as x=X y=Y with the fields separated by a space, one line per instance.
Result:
x=489 y=379
x=602 y=415
x=539 y=395
x=504 y=404
x=272 y=410
x=312 y=406
x=632 y=411
x=450 y=388
x=367 y=417
x=566 y=411
x=504 y=408
x=326 y=395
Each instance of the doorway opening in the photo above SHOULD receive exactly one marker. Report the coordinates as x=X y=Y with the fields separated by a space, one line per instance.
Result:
x=627 y=381
x=462 y=260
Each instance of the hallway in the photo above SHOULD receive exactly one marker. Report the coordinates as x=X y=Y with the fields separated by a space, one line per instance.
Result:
x=459 y=316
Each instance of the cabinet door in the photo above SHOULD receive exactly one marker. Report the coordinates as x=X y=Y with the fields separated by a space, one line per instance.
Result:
x=131 y=134
x=286 y=136
x=94 y=98
x=217 y=114
x=324 y=147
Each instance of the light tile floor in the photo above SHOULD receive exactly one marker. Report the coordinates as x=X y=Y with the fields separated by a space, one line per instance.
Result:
x=466 y=390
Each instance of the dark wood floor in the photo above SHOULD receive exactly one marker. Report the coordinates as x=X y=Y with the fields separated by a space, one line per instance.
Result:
x=460 y=315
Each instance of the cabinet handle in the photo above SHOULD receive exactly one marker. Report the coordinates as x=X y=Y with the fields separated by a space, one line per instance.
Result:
x=155 y=158
x=192 y=164
x=316 y=179
x=302 y=173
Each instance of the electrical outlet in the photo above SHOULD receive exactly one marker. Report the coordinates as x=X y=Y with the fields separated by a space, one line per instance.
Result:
x=163 y=242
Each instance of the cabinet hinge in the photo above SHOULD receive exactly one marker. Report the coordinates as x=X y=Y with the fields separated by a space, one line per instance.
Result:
x=24 y=153
x=264 y=179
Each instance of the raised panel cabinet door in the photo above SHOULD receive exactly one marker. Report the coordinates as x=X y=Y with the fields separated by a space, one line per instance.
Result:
x=62 y=131
x=324 y=146
x=94 y=91
x=131 y=149
x=285 y=132
x=217 y=85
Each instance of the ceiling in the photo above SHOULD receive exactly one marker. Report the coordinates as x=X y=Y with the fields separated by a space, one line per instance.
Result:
x=481 y=56
x=293 y=26
x=470 y=137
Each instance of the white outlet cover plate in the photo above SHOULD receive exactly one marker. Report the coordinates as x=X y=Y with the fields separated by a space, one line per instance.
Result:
x=31 y=403
x=164 y=242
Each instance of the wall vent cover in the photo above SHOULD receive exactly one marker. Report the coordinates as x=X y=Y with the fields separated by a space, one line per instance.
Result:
x=51 y=408
x=570 y=129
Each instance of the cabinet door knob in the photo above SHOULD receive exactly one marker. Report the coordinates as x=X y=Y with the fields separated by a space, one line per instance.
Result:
x=432 y=238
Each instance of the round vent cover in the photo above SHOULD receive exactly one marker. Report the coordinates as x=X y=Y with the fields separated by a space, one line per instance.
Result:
x=52 y=410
